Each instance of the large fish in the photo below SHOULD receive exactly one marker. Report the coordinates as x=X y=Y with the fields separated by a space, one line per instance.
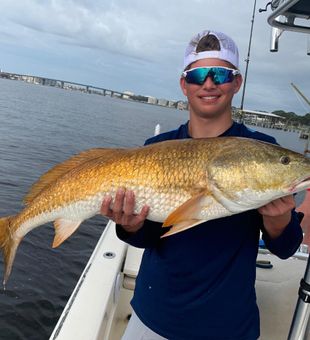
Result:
x=185 y=182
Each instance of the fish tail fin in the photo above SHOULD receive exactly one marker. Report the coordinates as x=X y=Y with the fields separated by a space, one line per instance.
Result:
x=8 y=244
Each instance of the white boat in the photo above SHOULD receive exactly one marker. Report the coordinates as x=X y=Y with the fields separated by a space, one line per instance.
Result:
x=99 y=307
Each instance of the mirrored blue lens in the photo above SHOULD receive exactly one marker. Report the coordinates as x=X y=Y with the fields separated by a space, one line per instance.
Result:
x=219 y=75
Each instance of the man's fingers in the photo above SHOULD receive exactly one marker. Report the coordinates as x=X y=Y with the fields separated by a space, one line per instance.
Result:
x=136 y=221
x=105 y=206
x=117 y=207
x=129 y=217
x=119 y=201
x=129 y=203
x=121 y=210
x=144 y=212
x=278 y=207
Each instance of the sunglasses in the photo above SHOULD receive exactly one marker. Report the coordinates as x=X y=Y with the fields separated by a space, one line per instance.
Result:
x=219 y=75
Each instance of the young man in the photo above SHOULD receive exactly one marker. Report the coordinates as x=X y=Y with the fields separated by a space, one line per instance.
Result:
x=199 y=284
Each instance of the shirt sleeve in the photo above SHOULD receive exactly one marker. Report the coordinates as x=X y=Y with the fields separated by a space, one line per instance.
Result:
x=146 y=237
x=288 y=242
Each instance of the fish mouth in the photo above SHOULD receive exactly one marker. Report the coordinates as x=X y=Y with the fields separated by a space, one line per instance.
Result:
x=300 y=185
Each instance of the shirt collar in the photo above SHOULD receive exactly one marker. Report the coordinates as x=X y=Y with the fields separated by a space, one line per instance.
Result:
x=231 y=131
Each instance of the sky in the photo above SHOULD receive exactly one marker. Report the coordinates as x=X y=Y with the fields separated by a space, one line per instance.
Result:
x=138 y=46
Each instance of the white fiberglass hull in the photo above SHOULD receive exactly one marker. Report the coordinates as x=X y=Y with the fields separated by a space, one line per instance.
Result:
x=99 y=305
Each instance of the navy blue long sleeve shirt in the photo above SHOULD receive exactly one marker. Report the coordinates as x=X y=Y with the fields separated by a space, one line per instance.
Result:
x=199 y=284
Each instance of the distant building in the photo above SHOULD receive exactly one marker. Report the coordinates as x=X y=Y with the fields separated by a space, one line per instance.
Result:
x=5 y=75
x=181 y=105
x=151 y=100
x=128 y=95
x=49 y=82
x=162 y=102
x=172 y=103
x=264 y=119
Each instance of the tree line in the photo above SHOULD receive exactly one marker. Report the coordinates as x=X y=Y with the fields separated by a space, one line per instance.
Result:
x=293 y=119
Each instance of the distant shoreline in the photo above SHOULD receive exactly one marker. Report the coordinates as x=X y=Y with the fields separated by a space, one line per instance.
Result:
x=69 y=85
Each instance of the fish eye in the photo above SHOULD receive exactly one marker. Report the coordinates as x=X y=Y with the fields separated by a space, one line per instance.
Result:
x=285 y=160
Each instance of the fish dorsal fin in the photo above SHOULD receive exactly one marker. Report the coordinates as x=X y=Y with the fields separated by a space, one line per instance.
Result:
x=63 y=229
x=189 y=210
x=177 y=228
x=60 y=169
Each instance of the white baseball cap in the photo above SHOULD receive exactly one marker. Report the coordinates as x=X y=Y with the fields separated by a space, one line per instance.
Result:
x=228 y=49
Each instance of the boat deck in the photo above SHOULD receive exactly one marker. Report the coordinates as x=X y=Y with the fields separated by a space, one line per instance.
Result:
x=105 y=289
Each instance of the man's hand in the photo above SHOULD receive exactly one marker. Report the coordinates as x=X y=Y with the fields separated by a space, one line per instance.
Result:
x=277 y=215
x=121 y=211
x=305 y=223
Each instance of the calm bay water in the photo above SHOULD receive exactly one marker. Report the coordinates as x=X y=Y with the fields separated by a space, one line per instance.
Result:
x=39 y=127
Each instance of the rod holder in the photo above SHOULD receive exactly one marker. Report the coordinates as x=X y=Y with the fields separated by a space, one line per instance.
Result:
x=274 y=40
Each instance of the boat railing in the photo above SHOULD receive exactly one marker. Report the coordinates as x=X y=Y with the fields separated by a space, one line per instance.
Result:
x=96 y=293
x=283 y=18
x=290 y=10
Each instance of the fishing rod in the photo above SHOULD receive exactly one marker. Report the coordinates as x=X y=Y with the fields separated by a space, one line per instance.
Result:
x=247 y=60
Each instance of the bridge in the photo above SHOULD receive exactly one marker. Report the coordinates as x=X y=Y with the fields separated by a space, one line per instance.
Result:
x=64 y=84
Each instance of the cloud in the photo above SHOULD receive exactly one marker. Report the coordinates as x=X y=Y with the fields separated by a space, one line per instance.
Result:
x=112 y=26
x=145 y=31
x=139 y=46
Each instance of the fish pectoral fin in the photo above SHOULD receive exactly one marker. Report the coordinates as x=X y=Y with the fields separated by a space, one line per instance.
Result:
x=181 y=227
x=189 y=210
x=63 y=229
